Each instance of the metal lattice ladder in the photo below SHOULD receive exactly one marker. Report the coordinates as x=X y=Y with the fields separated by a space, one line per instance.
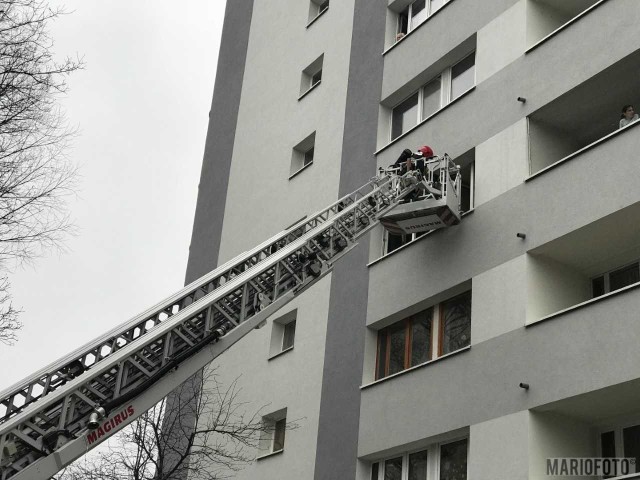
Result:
x=44 y=419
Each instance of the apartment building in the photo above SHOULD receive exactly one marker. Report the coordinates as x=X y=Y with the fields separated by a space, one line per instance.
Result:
x=475 y=352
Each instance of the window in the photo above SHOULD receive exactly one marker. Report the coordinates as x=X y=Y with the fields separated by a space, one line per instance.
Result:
x=453 y=461
x=467 y=163
x=436 y=5
x=283 y=334
x=620 y=442
x=631 y=443
x=418 y=13
x=463 y=76
x=405 y=116
x=375 y=469
x=447 y=461
x=615 y=279
x=272 y=436
x=393 y=469
x=415 y=14
x=404 y=344
x=418 y=465
x=431 y=100
x=317 y=8
x=455 y=323
x=289 y=335
x=308 y=157
x=315 y=78
x=311 y=76
x=413 y=341
x=303 y=155
x=436 y=94
x=393 y=242
x=278 y=434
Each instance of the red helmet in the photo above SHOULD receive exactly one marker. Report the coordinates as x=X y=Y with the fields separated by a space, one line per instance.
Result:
x=426 y=151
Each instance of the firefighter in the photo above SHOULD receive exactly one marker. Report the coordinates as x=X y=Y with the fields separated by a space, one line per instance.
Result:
x=409 y=161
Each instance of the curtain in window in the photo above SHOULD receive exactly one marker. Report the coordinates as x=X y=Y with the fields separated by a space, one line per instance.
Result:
x=393 y=469
x=397 y=349
x=456 y=323
x=421 y=338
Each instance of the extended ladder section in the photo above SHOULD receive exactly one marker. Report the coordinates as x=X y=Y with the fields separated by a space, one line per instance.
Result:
x=56 y=415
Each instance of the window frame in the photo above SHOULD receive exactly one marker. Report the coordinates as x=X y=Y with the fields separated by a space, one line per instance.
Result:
x=299 y=153
x=307 y=157
x=313 y=81
x=406 y=240
x=433 y=460
x=316 y=9
x=279 y=431
x=448 y=442
x=606 y=276
x=436 y=338
x=269 y=433
x=311 y=77
x=441 y=326
x=618 y=437
x=408 y=11
x=446 y=79
x=450 y=97
x=288 y=335
x=418 y=114
x=279 y=334
x=408 y=343
x=323 y=7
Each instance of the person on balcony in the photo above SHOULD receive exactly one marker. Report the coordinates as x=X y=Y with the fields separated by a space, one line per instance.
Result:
x=628 y=116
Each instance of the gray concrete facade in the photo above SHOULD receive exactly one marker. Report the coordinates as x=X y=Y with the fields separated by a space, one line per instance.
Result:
x=218 y=150
x=344 y=348
x=533 y=318
x=209 y=214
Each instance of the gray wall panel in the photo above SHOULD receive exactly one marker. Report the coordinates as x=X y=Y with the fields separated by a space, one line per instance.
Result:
x=340 y=401
x=212 y=193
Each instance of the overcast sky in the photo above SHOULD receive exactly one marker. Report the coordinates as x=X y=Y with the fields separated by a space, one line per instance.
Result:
x=141 y=106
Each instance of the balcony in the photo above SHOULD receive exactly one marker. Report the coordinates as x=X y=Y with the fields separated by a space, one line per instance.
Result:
x=602 y=424
x=573 y=270
x=547 y=17
x=582 y=116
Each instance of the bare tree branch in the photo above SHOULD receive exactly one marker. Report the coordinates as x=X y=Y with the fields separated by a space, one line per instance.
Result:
x=201 y=432
x=35 y=174
x=9 y=323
